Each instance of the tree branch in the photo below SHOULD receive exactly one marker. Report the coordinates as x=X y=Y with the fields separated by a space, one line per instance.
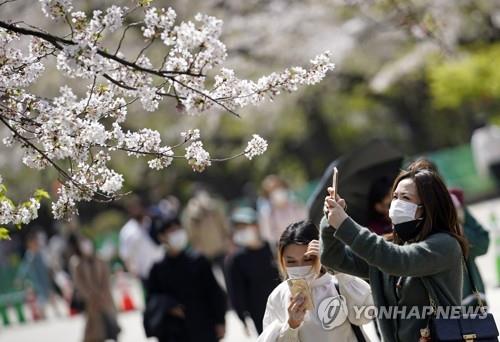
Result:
x=57 y=41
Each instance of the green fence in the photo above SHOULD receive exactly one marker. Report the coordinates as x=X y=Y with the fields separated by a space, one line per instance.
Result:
x=456 y=165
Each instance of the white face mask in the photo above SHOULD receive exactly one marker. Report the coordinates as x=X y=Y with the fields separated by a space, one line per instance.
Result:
x=87 y=248
x=245 y=237
x=298 y=272
x=279 y=197
x=402 y=211
x=178 y=240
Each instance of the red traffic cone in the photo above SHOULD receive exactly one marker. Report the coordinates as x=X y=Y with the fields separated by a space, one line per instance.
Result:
x=33 y=305
x=127 y=303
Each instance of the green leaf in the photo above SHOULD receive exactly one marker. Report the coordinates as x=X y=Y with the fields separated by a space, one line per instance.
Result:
x=26 y=204
x=4 y=234
x=40 y=194
x=6 y=199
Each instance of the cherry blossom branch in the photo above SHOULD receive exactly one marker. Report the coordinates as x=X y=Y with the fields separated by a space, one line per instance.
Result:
x=129 y=26
x=56 y=41
x=83 y=131
x=6 y=2
x=59 y=169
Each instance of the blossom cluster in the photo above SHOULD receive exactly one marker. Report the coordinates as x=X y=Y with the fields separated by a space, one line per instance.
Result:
x=255 y=147
x=77 y=132
x=19 y=214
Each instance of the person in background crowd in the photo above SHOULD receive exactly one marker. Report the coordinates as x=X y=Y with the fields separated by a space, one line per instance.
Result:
x=62 y=280
x=184 y=302
x=479 y=241
x=379 y=201
x=287 y=317
x=251 y=271
x=477 y=238
x=207 y=226
x=92 y=281
x=137 y=249
x=73 y=252
x=167 y=206
x=485 y=144
x=164 y=208
x=35 y=271
x=277 y=209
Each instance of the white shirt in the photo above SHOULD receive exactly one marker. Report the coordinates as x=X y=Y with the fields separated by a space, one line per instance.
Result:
x=137 y=249
x=485 y=144
x=355 y=291
x=274 y=220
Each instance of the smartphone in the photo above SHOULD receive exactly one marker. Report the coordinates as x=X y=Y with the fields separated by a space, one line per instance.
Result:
x=301 y=286
x=335 y=182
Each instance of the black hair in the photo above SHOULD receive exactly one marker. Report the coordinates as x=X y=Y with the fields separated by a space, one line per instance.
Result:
x=298 y=233
x=423 y=164
x=73 y=243
x=379 y=189
x=162 y=224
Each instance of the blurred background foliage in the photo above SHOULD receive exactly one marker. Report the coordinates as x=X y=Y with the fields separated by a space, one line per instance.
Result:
x=420 y=73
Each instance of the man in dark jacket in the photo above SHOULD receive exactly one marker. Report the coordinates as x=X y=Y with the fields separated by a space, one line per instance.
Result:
x=251 y=271
x=184 y=301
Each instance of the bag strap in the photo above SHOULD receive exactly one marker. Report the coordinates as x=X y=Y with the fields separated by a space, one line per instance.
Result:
x=355 y=328
x=434 y=302
x=473 y=284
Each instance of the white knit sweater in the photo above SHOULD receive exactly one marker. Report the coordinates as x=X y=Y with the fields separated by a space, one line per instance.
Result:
x=355 y=291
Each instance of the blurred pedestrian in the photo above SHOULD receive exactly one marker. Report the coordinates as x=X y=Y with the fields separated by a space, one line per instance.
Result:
x=184 y=302
x=290 y=317
x=485 y=144
x=479 y=240
x=206 y=224
x=137 y=249
x=251 y=271
x=277 y=209
x=425 y=253
x=91 y=278
x=35 y=272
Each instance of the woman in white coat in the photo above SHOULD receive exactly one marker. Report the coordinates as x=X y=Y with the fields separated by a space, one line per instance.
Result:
x=332 y=315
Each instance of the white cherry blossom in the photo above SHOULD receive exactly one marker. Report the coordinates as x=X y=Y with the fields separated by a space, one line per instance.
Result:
x=77 y=131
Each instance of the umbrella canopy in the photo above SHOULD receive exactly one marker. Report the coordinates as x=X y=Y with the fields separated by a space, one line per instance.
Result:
x=358 y=170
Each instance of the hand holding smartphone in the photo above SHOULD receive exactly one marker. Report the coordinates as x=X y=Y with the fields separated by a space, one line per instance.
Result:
x=301 y=286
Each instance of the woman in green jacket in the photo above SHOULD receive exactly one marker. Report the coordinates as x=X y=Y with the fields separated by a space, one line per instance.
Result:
x=426 y=245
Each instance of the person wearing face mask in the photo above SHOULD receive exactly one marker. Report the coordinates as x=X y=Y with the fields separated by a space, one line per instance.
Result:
x=477 y=237
x=277 y=209
x=251 y=271
x=332 y=316
x=91 y=277
x=424 y=252
x=184 y=302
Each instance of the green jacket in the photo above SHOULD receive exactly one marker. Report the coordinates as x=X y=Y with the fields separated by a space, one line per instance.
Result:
x=356 y=250
x=479 y=240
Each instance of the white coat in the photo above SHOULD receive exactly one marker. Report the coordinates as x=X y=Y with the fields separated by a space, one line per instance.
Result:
x=355 y=291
